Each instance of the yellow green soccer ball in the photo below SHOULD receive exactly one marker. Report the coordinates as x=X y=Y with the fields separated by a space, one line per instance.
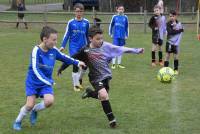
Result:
x=165 y=74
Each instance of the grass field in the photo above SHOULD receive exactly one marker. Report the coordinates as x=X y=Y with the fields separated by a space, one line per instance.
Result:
x=141 y=103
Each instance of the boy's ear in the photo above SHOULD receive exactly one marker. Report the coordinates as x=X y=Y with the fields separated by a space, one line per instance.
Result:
x=90 y=39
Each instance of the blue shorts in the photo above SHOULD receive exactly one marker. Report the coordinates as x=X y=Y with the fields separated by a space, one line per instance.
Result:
x=119 y=42
x=39 y=92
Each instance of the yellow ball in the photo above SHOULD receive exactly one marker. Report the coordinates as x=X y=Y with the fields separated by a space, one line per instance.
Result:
x=165 y=74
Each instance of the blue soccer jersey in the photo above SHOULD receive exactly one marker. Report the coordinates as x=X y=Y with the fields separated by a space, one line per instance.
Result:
x=77 y=34
x=119 y=27
x=41 y=66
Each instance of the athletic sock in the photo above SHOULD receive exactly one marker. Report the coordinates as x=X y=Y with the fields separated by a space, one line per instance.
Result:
x=107 y=110
x=23 y=112
x=166 y=63
x=176 y=63
x=39 y=106
x=153 y=56
x=160 y=56
x=119 y=59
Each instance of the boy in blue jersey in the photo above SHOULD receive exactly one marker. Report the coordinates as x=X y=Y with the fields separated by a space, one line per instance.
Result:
x=174 y=35
x=97 y=56
x=39 y=80
x=77 y=34
x=119 y=31
x=158 y=25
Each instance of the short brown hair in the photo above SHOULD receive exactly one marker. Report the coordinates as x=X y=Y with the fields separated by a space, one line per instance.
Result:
x=79 y=5
x=46 y=31
x=94 y=30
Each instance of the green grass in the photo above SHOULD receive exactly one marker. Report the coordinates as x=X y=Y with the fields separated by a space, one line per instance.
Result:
x=141 y=104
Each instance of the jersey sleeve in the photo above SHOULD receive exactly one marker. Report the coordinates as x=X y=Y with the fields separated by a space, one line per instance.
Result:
x=65 y=58
x=172 y=31
x=111 y=26
x=36 y=69
x=66 y=35
x=113 y=50
x=127 y=27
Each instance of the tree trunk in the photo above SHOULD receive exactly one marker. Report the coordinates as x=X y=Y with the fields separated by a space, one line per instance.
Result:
x=67 y=4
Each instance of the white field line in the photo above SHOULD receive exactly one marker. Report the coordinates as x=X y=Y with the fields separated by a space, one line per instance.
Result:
x=175 y=107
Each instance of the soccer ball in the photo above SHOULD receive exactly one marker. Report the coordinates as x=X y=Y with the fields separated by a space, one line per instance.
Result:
x=165 y=74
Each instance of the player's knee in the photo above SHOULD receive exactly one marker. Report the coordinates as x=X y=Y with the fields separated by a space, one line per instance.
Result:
x=29 y=107
x=48 y=102
x=103 y=95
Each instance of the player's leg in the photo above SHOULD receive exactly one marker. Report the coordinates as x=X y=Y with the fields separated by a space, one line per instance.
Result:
x=17 y=24
x=75 y=78
x=104 y=98
x=81 y=74
x=153 y=55
x=176 y=60
x=119 y=58
x=167 y=56
x=30 y=102
x=25 y=23
x=115 y=42
x=160 y=55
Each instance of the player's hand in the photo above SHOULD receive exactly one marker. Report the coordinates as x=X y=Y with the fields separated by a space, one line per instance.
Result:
x=141 y=50
x=62 y=49
x=59 y=72
x=81 y=65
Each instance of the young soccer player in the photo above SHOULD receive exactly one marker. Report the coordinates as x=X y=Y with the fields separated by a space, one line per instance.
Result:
x=174 y=35
x=39 y=82
x=158 y=25
x=119 y=31
x=20 y=16
x=97 y=56
x=77 y=34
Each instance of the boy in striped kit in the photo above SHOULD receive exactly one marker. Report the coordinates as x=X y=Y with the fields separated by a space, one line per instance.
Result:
x=174 y=35
x=119 y=31
x=39 y=81
x=77 y=34
x=97 y=56
x=158 y=25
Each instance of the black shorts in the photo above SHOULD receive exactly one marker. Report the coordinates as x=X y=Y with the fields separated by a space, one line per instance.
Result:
x=102 y=84
x=157 y=41
x=21 y=15
x=170 y=48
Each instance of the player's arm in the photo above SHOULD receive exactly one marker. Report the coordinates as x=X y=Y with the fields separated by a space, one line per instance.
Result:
x=151 y=22
x=80 y=56
x=65 y=37
x=127 y=28
x=67 y=59
x=113 y=50
x=111 y=26
x=172 y=31
x=35 y=66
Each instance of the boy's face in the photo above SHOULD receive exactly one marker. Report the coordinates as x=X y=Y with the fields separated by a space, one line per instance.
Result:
x=78 y=12
x=120 y=9
x=172 y=17
x=51 y=41
x=156 y=11
x=96 y=40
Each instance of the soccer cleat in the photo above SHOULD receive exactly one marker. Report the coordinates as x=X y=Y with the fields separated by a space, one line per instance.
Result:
x=120 y=66
x=161 y=63
x=33 y=117
x=153 y=64
x=88 y=90
x=113 y=66
x=77 y=89
x=176 y=72
x=113 y=123
x=17 y=126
